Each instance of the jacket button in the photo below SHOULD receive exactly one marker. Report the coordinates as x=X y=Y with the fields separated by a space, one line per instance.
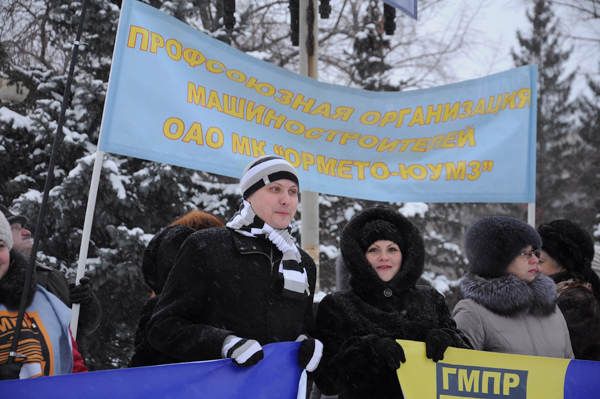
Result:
x=271 y=301
x=387 y=292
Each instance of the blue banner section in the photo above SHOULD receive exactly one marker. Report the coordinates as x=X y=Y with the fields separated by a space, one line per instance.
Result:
x=409 y=7
x=582 y=380
x=477 y=382
x=181 y=97
x=276 y=376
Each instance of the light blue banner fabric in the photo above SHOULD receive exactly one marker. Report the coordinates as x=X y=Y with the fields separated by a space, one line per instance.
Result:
x=276 y=376
x=409 y=7
x=180 y=97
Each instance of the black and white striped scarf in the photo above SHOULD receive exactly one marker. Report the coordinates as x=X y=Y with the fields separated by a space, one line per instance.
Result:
x=294 y=276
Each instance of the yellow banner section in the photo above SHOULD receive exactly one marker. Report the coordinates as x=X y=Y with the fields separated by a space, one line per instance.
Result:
x=482 y=375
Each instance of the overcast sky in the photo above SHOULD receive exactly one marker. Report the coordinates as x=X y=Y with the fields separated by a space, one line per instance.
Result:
x=497 y=23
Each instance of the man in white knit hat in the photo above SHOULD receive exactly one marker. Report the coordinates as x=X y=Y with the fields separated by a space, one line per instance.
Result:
x=235 y=288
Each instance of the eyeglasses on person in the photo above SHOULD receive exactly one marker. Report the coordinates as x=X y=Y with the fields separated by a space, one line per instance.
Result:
x=528 y=254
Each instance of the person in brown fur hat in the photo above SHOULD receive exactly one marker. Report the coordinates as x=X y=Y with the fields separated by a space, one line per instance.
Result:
x=159 y=258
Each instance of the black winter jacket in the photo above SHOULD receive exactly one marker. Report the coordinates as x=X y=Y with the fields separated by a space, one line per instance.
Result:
x=397 y=309
x=159 y=258
x=225 y=283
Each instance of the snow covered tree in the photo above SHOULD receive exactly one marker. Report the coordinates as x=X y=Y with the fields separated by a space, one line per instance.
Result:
x=557 y=193
x=370 y=50
x=589 y=179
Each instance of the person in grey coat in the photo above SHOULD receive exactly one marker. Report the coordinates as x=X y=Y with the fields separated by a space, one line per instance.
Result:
x=509 y=307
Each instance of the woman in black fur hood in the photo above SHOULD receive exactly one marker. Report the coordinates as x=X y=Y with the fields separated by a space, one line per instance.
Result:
x=358 y=327
x=509 y=307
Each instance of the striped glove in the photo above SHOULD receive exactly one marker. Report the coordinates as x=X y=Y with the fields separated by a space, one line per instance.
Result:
x=244 y=352
x=310 y=353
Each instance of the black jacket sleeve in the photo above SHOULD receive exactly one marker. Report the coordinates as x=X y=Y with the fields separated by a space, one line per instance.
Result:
x=175 y=328
x=329 y=330
x=447 y=323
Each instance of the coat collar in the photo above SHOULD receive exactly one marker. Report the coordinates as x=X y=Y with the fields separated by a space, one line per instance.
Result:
x=509 y=295
x=12 y=284
x=249 y=245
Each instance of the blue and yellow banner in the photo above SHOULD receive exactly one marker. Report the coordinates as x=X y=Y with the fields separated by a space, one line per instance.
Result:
x=181 y=97
x=486 y=375
x=462 y=374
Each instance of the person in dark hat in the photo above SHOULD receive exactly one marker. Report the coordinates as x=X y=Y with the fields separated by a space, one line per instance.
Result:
x=234 y=289
x=54 y=280
x=567 y=254
x=509 y=307
x=384 y=254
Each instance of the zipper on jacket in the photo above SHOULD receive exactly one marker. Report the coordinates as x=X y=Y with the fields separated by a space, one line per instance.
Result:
x=535 y=351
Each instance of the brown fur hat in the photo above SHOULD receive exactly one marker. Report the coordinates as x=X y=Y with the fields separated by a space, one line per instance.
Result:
x=199 y=220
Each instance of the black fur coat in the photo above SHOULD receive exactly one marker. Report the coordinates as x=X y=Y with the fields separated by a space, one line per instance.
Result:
x=581 y=310
x=12 y=283
x=398 y=309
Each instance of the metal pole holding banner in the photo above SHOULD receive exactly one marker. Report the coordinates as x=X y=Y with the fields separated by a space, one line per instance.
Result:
x=308 y=40
x=531 y=213
x=39 y=226
x=87 y=229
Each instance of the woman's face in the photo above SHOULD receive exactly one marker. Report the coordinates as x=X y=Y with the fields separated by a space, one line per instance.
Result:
x=547 y=265
x=385 y=257
x=524 y=266
x=4 y=259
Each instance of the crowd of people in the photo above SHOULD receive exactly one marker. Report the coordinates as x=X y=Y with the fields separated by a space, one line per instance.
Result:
x=224 y=290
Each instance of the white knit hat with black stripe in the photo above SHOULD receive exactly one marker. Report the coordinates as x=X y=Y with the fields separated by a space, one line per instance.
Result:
x=5 y=233
x=265 y=170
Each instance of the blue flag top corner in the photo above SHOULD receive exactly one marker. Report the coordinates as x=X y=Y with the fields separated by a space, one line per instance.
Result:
x=409 y=7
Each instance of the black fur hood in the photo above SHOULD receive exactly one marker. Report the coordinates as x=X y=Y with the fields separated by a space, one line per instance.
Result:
x=509 y=295
x=13 y=282
x=364 y=279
